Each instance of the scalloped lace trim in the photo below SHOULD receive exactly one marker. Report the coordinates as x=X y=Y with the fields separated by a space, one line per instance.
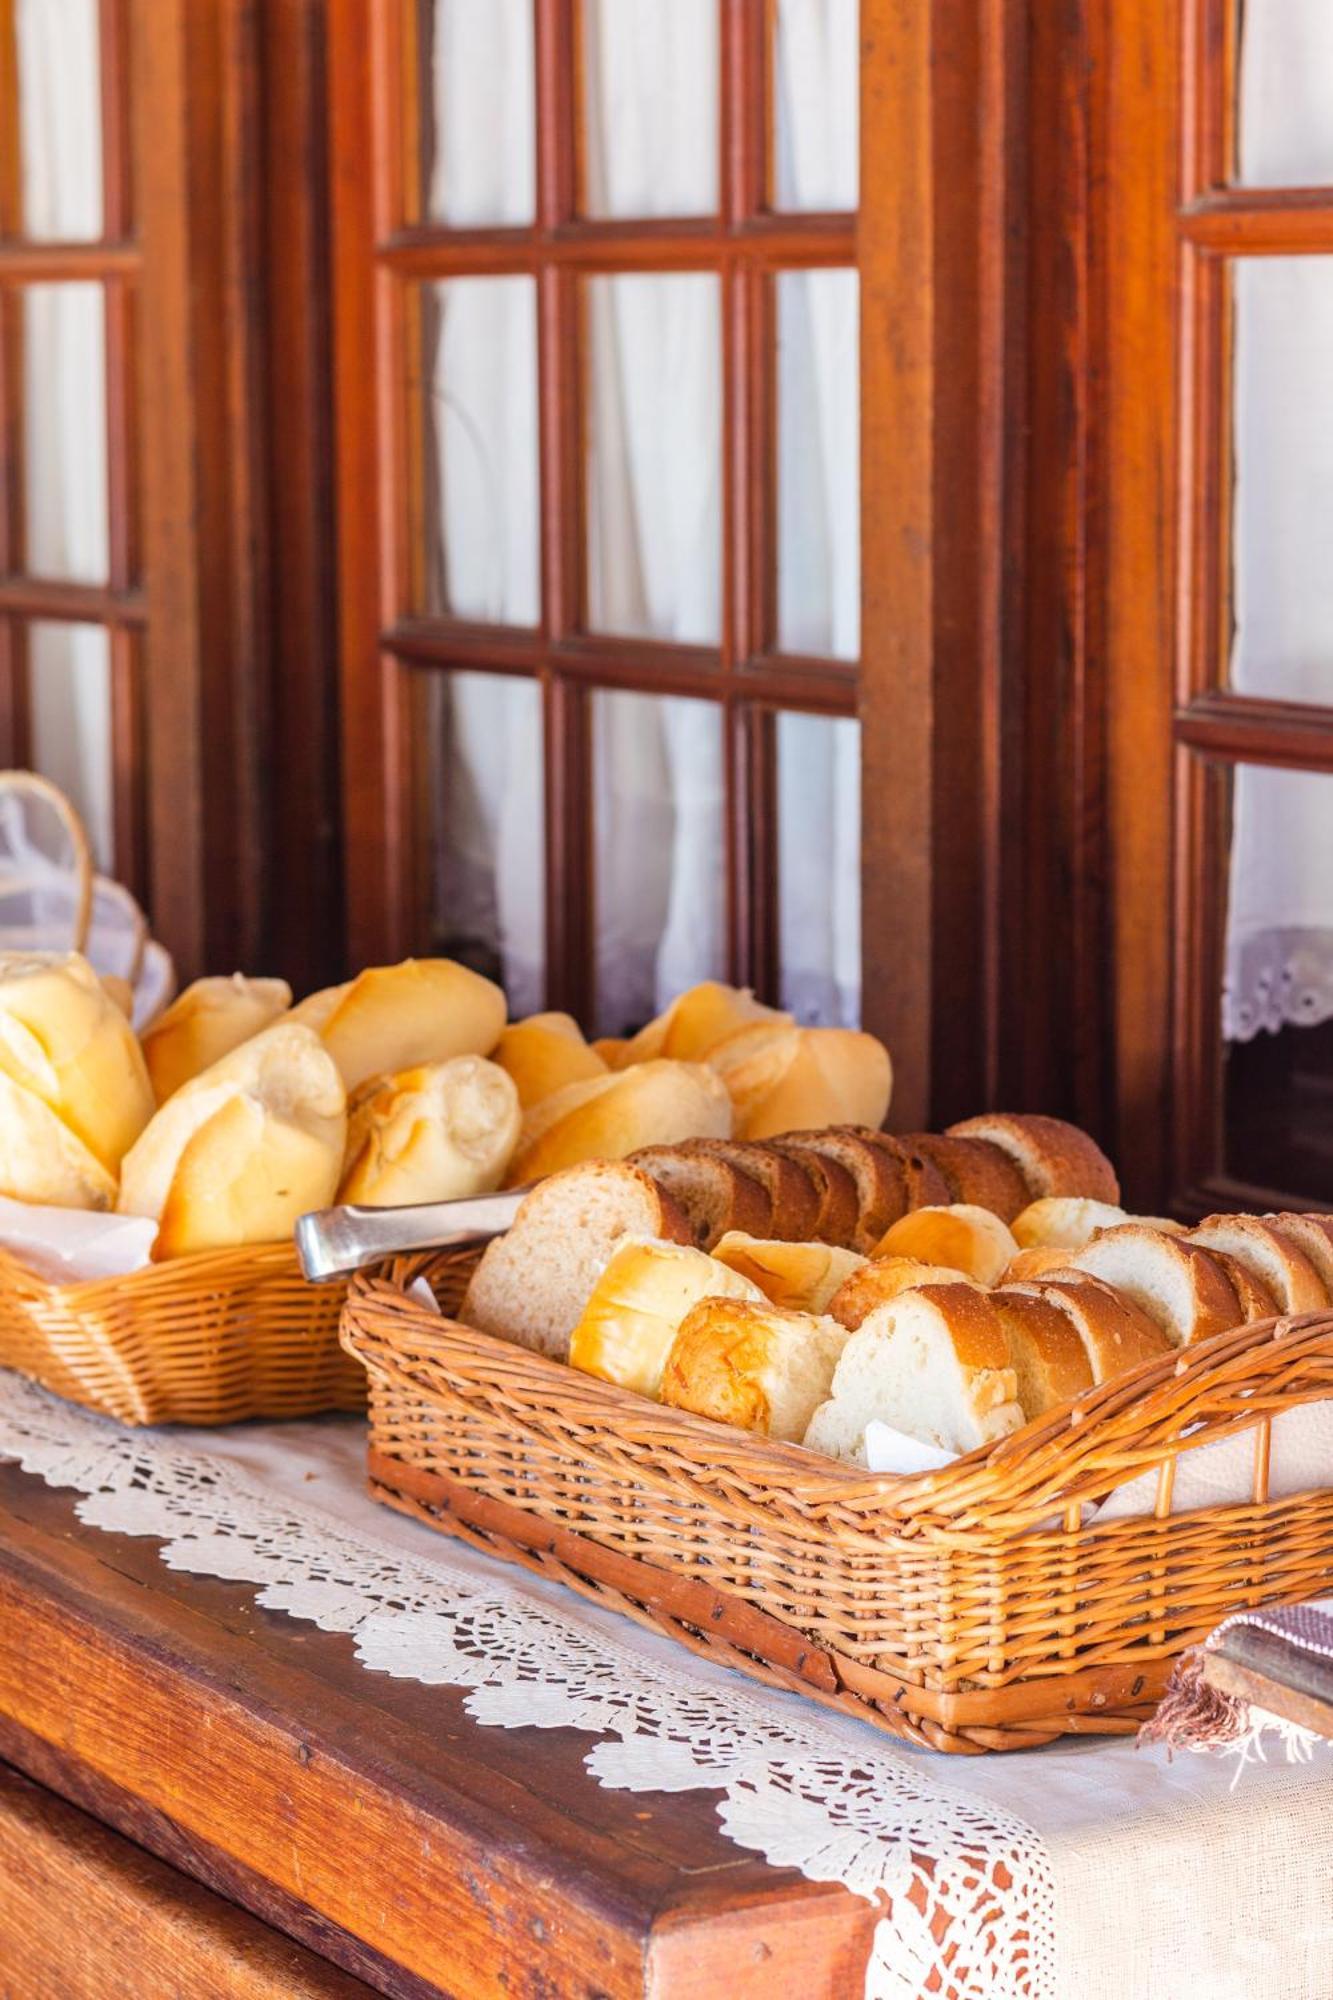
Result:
x=1277 y=979
x=806 y=1790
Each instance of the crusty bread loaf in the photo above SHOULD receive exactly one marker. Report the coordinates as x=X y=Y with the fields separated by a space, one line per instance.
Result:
x=1175 y=1282
x=1050 y=1357
x=793 y=1200
x=934 y=1364
x=634 y=1311
x=962 y=1237
x=64 y=1041
x=783 y=1078
x=544 y=1053
x=1117 y=1335
x=752 y=1365
x=206 y=1022
x=1053 y=1157
x=1064 y=1222
x=395 y=1017
x=801 y=1276
x=839 y=1208
x=440 y=1132
x=1313 y=1235
x=1256 y=1301
x=237 y=1154
x=41 y=1160
x=697 y=1022
x=714 y=1194
x=882 y=1279
x=877 y=1174
x=1270 y=1257
x=612 y=1116
x=973 y=1170
x=532 y=1283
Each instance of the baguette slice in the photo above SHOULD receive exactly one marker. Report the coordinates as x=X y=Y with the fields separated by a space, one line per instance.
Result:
x=1255 y=1300
x=1052 y=1156
x=533 y=1282
x=837 y=1430
x=1270 y=1257
x=1042 y=1260
x=609 y=1117
x=879 y=1176
x=925 y=1185
x=755 y=1366
x=793 y=1199
x=885 y=1278
x=835 y=1190
x=1115 y=1334
x=801 y=1276
x=961 y=1237
x=1050 y=1355
x=544 y=1053
x=935 y=1364
x=1177 y=1283
x=1313 y=1235
x=714 y=1194
x=634 y=1311
x=973 y=1170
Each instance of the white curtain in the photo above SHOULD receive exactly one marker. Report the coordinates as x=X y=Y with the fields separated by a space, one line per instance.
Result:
x=653 y=370
x=1279 y=942
x=64 y=399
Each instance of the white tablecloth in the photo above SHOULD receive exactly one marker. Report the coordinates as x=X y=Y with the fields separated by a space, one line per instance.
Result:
x=1086 y=1871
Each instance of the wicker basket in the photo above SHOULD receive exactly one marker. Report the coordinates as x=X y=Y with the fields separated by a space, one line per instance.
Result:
x=209 y=1339
x=966 y=1609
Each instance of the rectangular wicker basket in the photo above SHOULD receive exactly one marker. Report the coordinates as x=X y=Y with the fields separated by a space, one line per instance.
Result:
x=208 y=1339
x=968 y=1609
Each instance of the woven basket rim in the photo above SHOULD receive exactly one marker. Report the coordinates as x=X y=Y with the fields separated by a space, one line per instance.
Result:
x=199 y=1269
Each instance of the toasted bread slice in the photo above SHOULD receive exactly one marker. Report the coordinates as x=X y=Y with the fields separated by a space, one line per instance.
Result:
x=1052 y=1156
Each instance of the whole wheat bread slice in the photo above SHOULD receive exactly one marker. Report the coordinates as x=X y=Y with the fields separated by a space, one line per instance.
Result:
x=712 y=1192
x=793 y=1197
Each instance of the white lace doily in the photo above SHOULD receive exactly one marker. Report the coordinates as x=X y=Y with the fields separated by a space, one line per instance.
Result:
x=1276 y=979
x=963 y=1886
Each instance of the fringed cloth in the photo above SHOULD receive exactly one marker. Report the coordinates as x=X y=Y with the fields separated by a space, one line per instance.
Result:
x=1194 y=1715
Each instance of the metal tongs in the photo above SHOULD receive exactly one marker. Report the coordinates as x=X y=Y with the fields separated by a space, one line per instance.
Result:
x=334 y=1241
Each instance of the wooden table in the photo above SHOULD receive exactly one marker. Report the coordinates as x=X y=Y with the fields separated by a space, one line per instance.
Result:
x=219 y=1800
x=1273 y=1674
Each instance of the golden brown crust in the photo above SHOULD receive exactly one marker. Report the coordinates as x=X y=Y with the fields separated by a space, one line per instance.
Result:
x=1314 y=1235
x=874 y=1284
x=1270 y=1259
x=879 y=1176
x=712 y=1192
x=1117 y=1334
x=1254 y=1296
x=979 y=1338
x=718 y=1358
x=1214 y=1306
x=1049 y=1356
x=838 y=1206
x=1052 y=1156
x=973 y=1170
x=793 y=1199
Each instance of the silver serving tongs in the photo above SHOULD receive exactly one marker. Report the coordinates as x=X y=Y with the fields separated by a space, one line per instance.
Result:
x=333 y=1241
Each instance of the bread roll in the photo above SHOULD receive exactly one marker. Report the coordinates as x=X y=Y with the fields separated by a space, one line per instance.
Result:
x=633 y=1314
x=1052 y=1156
x=206 y=1022
x=1176 y=1283
x=609 y=1117
x=697 y=1021
x=752 y=1365
x=395 y=1017
x=785 y=1079
x=1279 y=1264
x=1040 y=1261
x=544 y=1053
x=64 y=1041
x=1117 y=1335
x=1064 y=1222
x=238 y=1153
x=437 y=1133
x=533 y=1282
x=961 y=1237
x=41 y=1160
x=882 y=1279
x=1051 y=1361
x=804 y=1277
x=714 y=1193
x=973 y=1170
x=934 y=1364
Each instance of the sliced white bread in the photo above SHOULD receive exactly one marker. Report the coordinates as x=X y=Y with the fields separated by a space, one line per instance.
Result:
x=533 y=1282
x=609 y=1117
x=634 y=1311
x=838 y=1430
x=1050 y=1358
x=973 y=1170
x=804 y=1277
x=882 y=1279
x=935 y=1364
x=962 y=1237
x=1116 y=1334
x=714 y=1194
x=1176 y=1283
x=755 y=1366
x=1312 y=1234
x=1268 y=1255
x=1052 y=1156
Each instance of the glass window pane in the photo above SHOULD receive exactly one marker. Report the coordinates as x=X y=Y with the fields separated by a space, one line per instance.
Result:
x=64 y=432
x=480 y=470
x=69 y=722
x=60 y=119
x=1285 y=85
x=819 y=463
x=659 y=852
x=819 y=867
x=478 y=120
x=654 y=444
x=479 y=737
x=651 y=107
x=816 y=87
x=1277 y=994
x=1282 y=505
